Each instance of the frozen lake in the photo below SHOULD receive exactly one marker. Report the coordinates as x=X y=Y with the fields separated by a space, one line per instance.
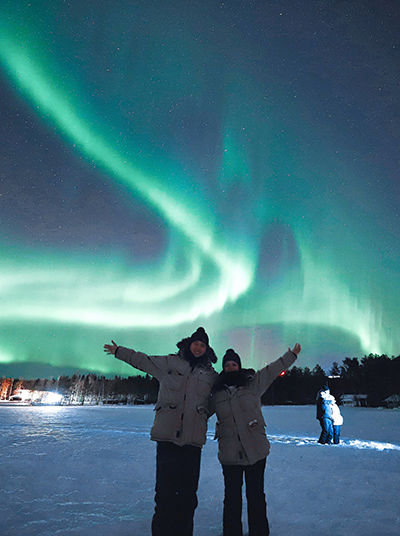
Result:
x=90 y=471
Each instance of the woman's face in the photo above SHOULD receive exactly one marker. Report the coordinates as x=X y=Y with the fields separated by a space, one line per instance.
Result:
x=231 y=366
x=198 y=348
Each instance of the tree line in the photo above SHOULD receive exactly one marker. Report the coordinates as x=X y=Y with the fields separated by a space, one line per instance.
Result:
x=377 y=376
x=90 y=388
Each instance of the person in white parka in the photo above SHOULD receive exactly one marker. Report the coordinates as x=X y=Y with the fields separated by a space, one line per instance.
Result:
x=337 y=421
x=180 y=426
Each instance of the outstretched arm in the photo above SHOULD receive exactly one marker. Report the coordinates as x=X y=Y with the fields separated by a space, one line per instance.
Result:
x=268 y=374
x=154 y=365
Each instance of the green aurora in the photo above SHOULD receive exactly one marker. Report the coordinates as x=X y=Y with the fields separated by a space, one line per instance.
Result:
x=268 y=234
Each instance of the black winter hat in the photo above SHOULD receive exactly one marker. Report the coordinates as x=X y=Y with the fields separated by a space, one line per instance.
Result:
x=199 y=335
x=231 y=355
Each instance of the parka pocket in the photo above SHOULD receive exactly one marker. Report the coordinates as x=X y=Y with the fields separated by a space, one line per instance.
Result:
x=171 y=385
x=174 y=380
x=258 y=437
x=166 y=421
x=256 y=429
x=223 y=407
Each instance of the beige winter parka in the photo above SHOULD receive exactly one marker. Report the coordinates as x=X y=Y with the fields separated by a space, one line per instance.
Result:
x=240 y=429
x=181 y=408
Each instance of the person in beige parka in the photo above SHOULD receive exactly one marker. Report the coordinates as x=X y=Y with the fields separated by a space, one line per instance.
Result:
x=180 y=426
x=242 y=442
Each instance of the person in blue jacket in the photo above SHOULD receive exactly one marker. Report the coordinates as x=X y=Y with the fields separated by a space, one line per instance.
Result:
x=324 y=415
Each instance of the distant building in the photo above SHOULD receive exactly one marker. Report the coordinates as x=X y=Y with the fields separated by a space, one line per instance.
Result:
x=392 y=401
x=22 y=395
x=354 y=400
x=29 y=396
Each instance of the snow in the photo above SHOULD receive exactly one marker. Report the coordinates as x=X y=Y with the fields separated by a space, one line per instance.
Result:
x=89 y=471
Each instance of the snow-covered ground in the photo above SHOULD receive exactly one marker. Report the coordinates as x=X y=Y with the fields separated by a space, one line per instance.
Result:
x=89 y=471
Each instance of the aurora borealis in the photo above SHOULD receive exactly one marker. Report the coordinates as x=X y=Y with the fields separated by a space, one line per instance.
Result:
x=232 y=165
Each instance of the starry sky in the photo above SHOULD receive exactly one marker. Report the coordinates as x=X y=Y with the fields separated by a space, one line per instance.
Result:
x=166 y=165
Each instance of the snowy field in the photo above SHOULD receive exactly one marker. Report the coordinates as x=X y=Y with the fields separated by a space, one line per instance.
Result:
x=89 y=471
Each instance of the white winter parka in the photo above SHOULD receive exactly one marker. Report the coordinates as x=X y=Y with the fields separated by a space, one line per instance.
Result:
x=240 y=428
x=181 y=408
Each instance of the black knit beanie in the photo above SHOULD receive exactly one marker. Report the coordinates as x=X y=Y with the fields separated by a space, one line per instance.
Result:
x=231 y=355
x=199 y=335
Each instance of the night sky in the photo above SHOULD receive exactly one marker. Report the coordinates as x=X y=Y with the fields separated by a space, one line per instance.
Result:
x=166 y=165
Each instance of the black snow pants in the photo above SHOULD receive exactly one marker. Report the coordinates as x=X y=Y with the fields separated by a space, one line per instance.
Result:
x=256 y=505
x=177 y=478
